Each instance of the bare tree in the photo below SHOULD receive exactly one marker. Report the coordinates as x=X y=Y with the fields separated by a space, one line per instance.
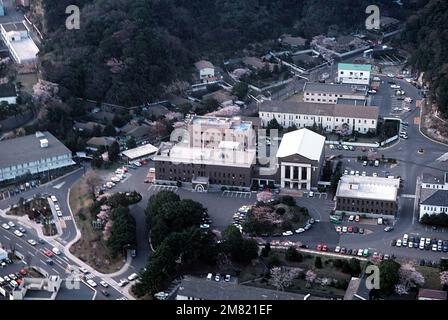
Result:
x=282 y=278
x=92 y=180
x=409 y=278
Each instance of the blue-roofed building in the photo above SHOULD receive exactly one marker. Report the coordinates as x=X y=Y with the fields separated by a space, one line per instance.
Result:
x=2 y=9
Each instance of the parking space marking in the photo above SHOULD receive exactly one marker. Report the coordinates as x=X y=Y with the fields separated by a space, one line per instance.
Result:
x=158 y=187
x=236 y=194
x=19 y=246
x=7 y=238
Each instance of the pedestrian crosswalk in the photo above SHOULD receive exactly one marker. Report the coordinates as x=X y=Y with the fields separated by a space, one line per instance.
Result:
x=90 y=276
x=66 y=218
x=122 y=298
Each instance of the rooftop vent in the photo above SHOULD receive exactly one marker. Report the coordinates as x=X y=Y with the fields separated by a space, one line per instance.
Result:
x=354 y=186
x=39 y=134
x=44 y=143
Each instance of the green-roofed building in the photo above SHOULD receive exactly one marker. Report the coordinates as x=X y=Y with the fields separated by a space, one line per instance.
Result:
x=354 y=73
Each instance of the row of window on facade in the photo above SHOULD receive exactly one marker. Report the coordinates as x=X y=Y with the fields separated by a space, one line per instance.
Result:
x=212 y=181
x=435 y=186
x=319 y=119
x=367 y=202
x=435 y=209
x=54 y=160
x=324 y=94
x=351 y=73
x=203 y=173
x=295 y=175
x=367 y=210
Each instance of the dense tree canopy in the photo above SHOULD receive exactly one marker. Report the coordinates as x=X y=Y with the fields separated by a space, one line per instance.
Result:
x=128 y=52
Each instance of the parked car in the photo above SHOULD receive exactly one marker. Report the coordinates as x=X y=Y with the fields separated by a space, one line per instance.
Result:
x=344 y=229
x=350 y=229
x=104 y=283
x=361 y=230
x=319 y=247
x=337 y=249
x=388 y=228
x=324 y=247
x=91 y=283
x=399 y=243
x=11 y=224
x=32 y=242
x=287 y=233
x=5 y=226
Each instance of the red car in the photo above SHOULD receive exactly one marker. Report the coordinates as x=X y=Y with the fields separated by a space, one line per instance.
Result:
x=325 y=248
x=48 y=253
x=319 y=247
x=144 y=162
x=23 y=272
x=350 y=229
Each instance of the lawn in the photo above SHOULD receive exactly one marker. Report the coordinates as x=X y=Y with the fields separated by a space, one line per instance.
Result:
x=432 y=277
x=91 y=248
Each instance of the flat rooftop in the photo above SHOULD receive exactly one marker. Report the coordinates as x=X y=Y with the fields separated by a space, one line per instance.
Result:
x=344 y=88
x=234 y=123
x=141 y=151
x=201 y=288
x=320 y=109
x=27 y=149
x=26 y=49
x=374 y=188
x=207 y=156
x=14 y=26
x=355 y=66
x=353 y=102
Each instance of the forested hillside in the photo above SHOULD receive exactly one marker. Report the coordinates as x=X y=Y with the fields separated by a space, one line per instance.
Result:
x=426 y=35
x=127 y=52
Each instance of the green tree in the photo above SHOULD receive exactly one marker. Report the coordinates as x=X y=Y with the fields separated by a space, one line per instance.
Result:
x=130 y=143
x=274 y=125
x=109 y=131
x=240 y=250
x=123 y=230
x=273 y=259
x=240 y=90
x=114 y=152
x=266 y=249
x=389 y=275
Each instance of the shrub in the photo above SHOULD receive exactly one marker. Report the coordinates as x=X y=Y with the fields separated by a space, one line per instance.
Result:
x=337 y=263
x=318 y=263
x=288 y=200
x=273 y=259
x=280 y=211
x=293 y=255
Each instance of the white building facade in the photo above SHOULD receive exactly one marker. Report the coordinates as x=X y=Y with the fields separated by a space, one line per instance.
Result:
x=354 y=73
x=329 y=117
x=330 y=93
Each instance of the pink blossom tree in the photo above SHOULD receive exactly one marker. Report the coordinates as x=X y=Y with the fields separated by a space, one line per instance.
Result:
x=409 y=278
x=264 y=196
x=444 y=278
x=310 y=276
x=282 y=278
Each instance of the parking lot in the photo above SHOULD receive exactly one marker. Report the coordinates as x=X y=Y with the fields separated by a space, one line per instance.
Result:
x=11 y=191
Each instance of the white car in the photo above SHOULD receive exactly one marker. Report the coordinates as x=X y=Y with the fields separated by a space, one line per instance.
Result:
x=32 y=242
x=352 y=172
x=357 y=173
x=54 y=199
x=11 y=224
x=390 y=75
x=123 y=282
x=337 y=249
x=287 y=233
x=374 y=174
x=394 y=86
x=364 y=174
x=360 y=251
x=310 y=194
x=132 y=277
x=398 y=243
x=344 y=229
x=84 y=270
x=300 y=230
x=91 y=282
x=18 y=233
x=344 y=147
x=434 y=247
x=59 y=213
x=345 y=172
x=104 y=284
x=351 y=218
x=331 y=146
x=57 y=208
x=5 y=226
x=373 y=91
x=56 y=251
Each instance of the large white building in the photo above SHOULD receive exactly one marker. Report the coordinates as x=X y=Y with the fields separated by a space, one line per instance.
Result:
x=32 y=154
x=317 y=92
x=354 y=73
x=331 y=117
x=434 y=194
x=300 y=157
x=21 y=47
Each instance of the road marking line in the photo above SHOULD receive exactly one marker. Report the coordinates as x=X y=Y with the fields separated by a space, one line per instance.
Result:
x=31 y=254
x=19 y=245
x=7 y=238
x=55 y=270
